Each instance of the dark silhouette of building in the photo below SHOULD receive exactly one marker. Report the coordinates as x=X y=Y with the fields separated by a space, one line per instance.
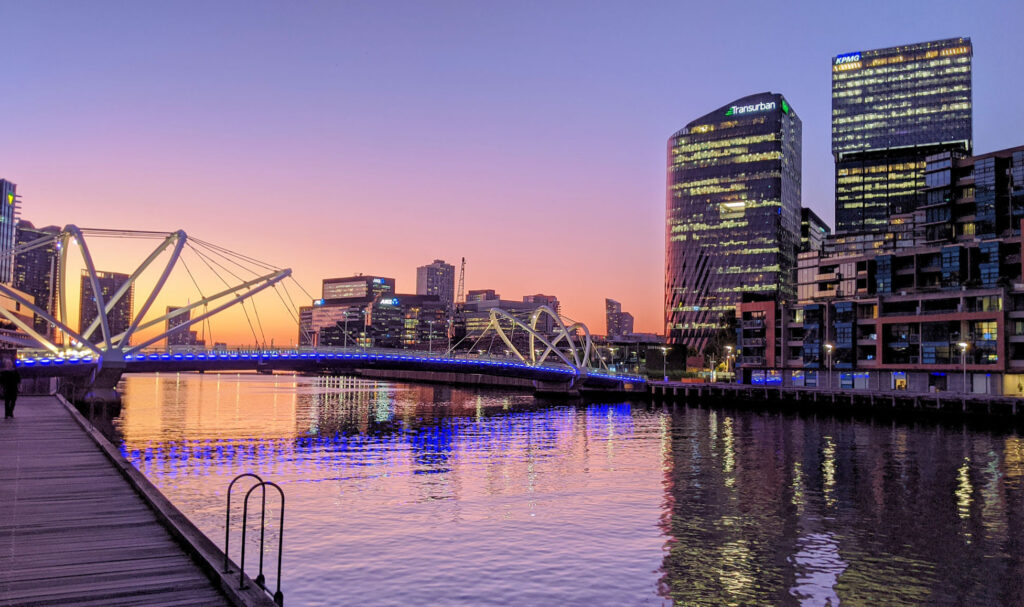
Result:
x=35 y=271
x=182 y=337
x=617 y=322
x=120 y=316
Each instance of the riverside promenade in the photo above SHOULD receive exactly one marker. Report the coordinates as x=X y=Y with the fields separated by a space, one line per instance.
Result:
x=945 y=403
x=78 y=528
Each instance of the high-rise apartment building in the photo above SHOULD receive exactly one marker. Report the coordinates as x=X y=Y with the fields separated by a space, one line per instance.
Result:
x=437 y=279
x=813 y=231
x=35 y=270
x=120 y=316
x=181 y=337
x=733 y=214
x=10 y=203
x=892 y=108
x=617 y=322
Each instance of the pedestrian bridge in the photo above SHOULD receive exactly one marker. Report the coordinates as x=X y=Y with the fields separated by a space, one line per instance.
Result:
x=559 y=357
x=550 y=377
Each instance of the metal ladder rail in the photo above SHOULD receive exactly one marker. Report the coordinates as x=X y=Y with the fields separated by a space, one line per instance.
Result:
x=227 y=517
x=260 y=580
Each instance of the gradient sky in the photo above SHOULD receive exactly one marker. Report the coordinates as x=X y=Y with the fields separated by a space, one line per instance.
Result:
x=373 y=137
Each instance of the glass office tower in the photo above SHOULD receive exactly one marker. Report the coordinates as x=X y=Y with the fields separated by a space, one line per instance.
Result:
x=891 y=108
x=733 y=214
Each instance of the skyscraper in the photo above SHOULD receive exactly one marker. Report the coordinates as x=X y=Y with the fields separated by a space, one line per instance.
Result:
x=733 y=214
x=35 y=270
x=10 y=203
x=181 y=337
x=119 y=318
x=617 y=322
x=438 y=279
x=891 y=108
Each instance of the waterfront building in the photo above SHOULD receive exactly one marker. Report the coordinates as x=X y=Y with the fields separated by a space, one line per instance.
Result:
x=182 y=337
x=476 y=316
x=544 y=300
x=356 y=286
x=733 y=214
x=438 y=279
x=891 y=109
x=813 y=231
x=939 y=306
x=120 y=316
x=35 y=271
x=617 y=322
x=10 y=205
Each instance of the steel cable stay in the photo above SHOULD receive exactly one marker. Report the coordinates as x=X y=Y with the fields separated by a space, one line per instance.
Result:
x=217 y=274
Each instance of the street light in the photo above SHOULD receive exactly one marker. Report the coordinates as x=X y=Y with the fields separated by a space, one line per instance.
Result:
x=728 y=357
x=963 y=360
x=664 y=362
x=430 y=337
x=828 y=357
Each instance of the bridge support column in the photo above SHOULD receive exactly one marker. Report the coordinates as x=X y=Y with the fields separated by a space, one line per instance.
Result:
x=101 y=386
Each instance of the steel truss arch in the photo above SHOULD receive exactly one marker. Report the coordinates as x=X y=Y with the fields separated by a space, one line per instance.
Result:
x=573 y=354
x=118 y=345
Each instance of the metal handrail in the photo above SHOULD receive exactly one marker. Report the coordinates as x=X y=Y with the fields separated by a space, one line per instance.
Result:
x=227 y=514
x=278 y=596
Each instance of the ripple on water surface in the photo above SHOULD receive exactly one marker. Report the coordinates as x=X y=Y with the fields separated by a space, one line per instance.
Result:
x=402 y=494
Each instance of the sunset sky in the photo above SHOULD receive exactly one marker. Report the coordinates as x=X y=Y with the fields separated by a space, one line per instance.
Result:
x=344 y=137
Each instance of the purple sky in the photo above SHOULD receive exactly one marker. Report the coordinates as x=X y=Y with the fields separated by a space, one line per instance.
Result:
x=373 y=137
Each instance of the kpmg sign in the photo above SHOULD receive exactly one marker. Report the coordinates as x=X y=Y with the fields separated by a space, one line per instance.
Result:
x=847 y=58
x=736 y=110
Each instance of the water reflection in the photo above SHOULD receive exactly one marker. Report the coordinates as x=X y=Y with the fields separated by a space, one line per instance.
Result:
x=432 y=495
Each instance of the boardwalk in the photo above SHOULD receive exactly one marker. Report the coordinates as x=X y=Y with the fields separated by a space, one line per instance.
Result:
x=72 y=529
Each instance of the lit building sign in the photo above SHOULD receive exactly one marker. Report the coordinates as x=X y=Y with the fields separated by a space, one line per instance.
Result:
x=318 y=302
x=10 y=198
x=393 y=301
x=750 y=109
x=847 y=58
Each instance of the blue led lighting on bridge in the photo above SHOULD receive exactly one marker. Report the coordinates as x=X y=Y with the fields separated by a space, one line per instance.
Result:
x=443 y=361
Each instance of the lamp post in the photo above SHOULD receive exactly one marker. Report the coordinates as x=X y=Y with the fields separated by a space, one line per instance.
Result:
x=963 y=360
x=713 y=361
x=664 y=362
x=346 y=329
x=728 y=358
x=430 y=337
x=611 y=352
x=828 y=357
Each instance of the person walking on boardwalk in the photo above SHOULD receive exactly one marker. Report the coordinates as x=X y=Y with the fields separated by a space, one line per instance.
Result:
x=9 y=380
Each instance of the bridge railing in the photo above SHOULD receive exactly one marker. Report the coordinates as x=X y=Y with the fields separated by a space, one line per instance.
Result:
x=30 y=358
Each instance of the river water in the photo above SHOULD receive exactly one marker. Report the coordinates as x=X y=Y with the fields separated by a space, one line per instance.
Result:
x=402 y=494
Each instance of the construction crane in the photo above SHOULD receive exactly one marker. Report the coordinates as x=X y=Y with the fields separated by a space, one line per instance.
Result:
x=457 y=317
x=460 y=295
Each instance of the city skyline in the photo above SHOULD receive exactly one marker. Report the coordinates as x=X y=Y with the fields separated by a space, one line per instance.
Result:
x=153 y=119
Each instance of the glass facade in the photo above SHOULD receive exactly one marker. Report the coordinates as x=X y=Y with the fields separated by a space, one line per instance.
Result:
x=733 y=214
x=891 y=108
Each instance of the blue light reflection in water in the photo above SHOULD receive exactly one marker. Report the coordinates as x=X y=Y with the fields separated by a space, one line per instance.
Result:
x=402 y=494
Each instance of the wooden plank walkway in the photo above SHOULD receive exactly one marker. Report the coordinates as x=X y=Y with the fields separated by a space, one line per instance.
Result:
x=73 y=531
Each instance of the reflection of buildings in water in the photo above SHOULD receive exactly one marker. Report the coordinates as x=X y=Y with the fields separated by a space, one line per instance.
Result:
x=765 y=509
x=192 y=404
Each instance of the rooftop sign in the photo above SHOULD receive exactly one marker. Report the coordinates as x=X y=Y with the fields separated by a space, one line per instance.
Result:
x=750 y=109
x=847 y=58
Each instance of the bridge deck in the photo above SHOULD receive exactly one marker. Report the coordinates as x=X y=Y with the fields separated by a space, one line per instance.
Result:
x=72 y=529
